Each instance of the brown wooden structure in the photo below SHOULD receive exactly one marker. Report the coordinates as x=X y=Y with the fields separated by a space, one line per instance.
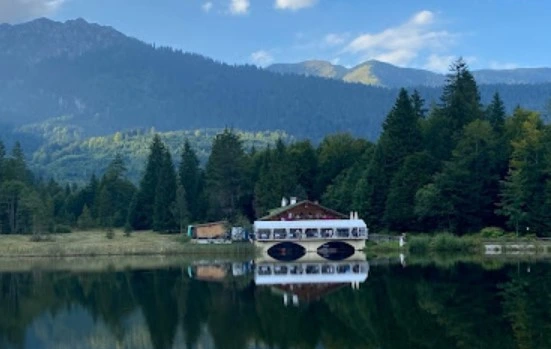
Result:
x=213 y=230
x=302 y=210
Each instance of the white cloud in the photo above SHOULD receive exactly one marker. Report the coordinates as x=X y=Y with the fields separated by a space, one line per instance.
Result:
x=239 y=7
x=335 y=60
x=440 y=64
x=402 y=44
x=12 y=11
x=499 y=66
x=294 y=5
x=207 y=6
x=262 y=58
x=334 y=39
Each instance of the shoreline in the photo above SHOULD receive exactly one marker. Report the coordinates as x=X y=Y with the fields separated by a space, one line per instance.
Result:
x=95 y=244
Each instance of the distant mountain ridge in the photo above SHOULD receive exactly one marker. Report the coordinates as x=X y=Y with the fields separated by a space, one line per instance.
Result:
x=378 y=73
x=93 y=80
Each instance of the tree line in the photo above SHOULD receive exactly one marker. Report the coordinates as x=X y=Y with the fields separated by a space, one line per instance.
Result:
x=457 y=167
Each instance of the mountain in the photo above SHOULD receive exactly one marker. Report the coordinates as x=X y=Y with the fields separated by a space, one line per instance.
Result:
x=369 y=73
x=91 y=80
x=383 y=74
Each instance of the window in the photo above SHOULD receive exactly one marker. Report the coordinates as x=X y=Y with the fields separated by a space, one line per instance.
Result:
x=312 y=269
x=343 y=232
x=263 y=234
x=311 y=233
x=327 y=232
x=280 y=233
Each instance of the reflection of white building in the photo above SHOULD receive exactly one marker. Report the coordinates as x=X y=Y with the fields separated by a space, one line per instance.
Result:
x=311 y=280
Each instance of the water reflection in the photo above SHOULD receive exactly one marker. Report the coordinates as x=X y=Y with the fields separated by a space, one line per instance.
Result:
x=308 y=281
x=228 y=304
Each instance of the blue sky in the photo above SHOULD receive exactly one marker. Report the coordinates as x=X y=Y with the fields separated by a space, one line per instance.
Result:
x=421 y=34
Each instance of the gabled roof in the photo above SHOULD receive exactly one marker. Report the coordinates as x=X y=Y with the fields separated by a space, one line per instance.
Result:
x=279 y=210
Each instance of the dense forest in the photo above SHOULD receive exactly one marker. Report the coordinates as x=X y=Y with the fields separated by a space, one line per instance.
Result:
x=99 y=81
x=459 y=167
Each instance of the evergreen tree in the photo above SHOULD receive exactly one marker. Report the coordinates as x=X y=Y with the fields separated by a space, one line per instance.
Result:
x=115 y=192
x=142 y=217
x=180 y=210
x=418 y=104
x=336 y=153
x=523 y=192
x=469 y=182
x=401 y=137
x=2 y=161
x=495 y=114
x=460 y=105
x=416 y=172
x=165 y=196
x=16 y=167
x=190 y=178
x=85 y=221
x=225 y=180
x=303 y=159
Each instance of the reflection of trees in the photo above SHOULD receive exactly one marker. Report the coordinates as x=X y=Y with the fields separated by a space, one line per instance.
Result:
x=527 y=306
x=399 y=308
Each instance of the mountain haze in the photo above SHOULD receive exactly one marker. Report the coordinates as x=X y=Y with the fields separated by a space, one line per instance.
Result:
x=93 y=80
x=378 y=73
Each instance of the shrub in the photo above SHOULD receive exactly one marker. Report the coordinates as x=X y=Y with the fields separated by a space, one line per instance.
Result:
x=128 y=230
x=418 y=244
x=492 y=232
x=63 y=229
x=446 y=242
x=109 y=233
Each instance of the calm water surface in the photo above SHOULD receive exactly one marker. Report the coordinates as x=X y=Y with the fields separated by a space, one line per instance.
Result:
x=373 y=304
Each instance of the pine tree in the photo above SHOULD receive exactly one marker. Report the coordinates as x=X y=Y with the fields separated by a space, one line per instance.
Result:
x=401 y=137
x=2 y=161
x=165 y=196
x=495 y=114
x=416 y=172
x=225 y=180
x=460 y=105
x=180 y=210
x=142 y=217
x=303 y=159
x=190 y=178
x=85 y=221
x=469 y=182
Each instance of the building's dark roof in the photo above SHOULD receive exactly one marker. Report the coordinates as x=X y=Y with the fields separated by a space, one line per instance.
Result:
x=279 y=210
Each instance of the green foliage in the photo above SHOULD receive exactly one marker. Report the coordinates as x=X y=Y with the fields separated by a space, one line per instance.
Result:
x=225 y=175
x=442 y=243
x=109 y=233
x=492 y=232
x=62 y=229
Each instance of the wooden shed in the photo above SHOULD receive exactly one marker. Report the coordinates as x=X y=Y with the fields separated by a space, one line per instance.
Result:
x=213 y=230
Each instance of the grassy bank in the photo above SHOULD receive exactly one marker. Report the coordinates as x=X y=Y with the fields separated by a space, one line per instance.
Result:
x=467 y=244
x=95 y=243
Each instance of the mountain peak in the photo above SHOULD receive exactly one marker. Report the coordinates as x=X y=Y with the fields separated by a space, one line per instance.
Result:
x=44 y=38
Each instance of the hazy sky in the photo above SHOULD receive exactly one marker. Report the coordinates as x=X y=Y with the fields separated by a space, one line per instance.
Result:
x=423 y=34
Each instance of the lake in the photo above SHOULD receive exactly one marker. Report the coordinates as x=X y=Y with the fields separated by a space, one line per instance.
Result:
x=383 y=303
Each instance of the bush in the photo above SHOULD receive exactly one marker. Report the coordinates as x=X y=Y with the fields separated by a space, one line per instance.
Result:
x=446 y=242
x=442 y=242
x=492 y=232
x=418 y=244
x=109 y=233
x=128 y=230
x=63 y=229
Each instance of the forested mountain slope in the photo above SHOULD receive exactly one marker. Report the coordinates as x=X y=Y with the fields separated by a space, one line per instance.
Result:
x=102 y=82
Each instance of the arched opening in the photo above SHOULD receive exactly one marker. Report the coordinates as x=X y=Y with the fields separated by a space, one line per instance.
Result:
x=286 y=251
x=336 y=250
